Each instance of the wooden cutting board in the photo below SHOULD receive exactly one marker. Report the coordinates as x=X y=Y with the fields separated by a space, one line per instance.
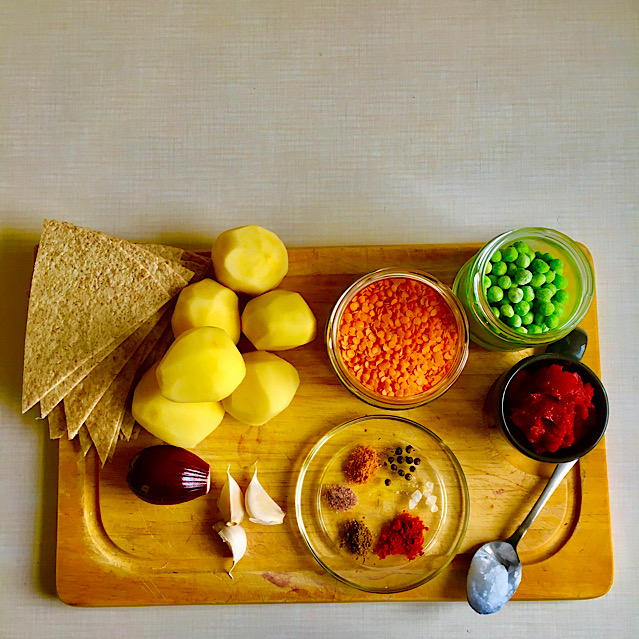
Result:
x=116 y=550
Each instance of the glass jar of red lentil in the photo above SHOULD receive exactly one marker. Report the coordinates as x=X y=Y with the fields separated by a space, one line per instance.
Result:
x=397 y=338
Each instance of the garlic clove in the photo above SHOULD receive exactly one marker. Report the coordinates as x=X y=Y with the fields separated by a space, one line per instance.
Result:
x=168 y=475
x=260 y=507
x=231 y=501
x=235 y=538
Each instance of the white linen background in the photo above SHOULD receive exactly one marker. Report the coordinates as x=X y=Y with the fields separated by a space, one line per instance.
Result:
x=331 y=123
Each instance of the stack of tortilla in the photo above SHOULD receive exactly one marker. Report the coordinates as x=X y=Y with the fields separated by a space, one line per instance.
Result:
x=99 y=315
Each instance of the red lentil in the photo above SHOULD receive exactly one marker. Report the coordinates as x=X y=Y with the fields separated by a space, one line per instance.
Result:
x=398 y=337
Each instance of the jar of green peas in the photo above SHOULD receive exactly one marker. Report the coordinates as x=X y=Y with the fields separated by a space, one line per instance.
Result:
x=525 y=288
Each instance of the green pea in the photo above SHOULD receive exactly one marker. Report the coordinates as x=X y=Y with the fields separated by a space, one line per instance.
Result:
x=515 y=295
x=493 y=279
x=550 y=276
x=539 y=319
x=511 y=269
x=561 y=281
x=522 y=308
x=489 y=268
x=552 y=321
x=494 y=294
x=527 y=319
x=562 y=296
x=551 y=287
x=539 y=266
x=504 y=282
x=534 y=329
x=538 y=279
x=547 y=257
x=547 y=308
x=522 y=276
x=496 y=256
x=521 y=329
x=506 y=310
x=538 y=254
x=521 y=246
x=486 y=282
x=499 y=268
x=555 y=264
x=510 y=254
x=559 y=271
x=529 y=293
x=544 y=328
x=514 y=321
x=543 y=294
x=560 y=309
x=523 y=260
x=495 y=311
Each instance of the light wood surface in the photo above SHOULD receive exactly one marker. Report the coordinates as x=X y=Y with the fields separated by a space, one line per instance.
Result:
x=115 y=550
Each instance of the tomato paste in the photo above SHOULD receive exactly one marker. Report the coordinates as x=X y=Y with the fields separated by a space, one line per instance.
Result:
x=551 y=406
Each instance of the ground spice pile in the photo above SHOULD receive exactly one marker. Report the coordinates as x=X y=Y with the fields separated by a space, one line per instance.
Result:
x=339 y=497
x=356 y=537
x=362 y=464
x=398 y=337
x=403 y=536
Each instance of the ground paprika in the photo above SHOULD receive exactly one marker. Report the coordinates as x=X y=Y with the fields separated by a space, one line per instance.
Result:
x=403 y=536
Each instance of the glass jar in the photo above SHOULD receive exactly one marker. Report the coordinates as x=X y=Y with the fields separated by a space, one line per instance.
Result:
x=490 y=332
x=346 y=376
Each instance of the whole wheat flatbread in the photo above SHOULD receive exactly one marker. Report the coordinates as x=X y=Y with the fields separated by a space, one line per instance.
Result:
x=80 y=274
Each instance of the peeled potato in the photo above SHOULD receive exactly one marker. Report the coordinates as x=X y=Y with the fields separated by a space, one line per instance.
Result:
x=278 y=320
x=249 y=259
x=268 y=388
x=176 y=423
x=202 y=365
x=207 y=303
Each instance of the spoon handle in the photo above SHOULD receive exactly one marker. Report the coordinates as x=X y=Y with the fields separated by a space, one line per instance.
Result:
x=557 y=477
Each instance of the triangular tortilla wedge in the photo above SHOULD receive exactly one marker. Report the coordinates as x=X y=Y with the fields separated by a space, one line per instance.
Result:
x=80 y=274
x=82 y=398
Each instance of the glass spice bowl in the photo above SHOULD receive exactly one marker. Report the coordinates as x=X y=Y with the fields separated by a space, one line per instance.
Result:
x=444 y=507
x=490 y=332
x=346 y=375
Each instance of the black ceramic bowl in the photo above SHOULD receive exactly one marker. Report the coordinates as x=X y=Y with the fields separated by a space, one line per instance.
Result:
x=567 y=353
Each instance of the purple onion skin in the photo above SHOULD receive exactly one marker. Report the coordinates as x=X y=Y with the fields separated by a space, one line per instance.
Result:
x=167 y=475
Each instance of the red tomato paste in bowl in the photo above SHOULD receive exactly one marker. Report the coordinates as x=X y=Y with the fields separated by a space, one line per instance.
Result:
x=552 y=407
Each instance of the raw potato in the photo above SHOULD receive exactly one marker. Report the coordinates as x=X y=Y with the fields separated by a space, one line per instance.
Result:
x=202 y=365
x=177 y=423
x=268 y=388
x=249 y=259
x=278 y=321
x=207 y=303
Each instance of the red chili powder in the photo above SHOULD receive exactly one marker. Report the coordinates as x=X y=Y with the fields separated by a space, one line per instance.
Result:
x=403 y=536
x=398 y=337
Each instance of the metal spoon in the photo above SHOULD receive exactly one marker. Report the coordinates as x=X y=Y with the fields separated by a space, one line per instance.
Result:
x=495 y=570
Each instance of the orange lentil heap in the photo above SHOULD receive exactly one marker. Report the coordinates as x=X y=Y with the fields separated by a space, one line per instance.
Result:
x=398 y=337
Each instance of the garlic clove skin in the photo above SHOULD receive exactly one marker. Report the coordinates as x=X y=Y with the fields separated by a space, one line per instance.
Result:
x=235 y=538
x=260 y=507
x=167 y=475
x=231 y=501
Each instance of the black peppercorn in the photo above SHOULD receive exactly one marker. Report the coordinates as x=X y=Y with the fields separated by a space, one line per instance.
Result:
x=387 y=482
x=393 y=466
x=412 y=469
x=417 y=461
x=409 y=460
x=409 y=476
x=400 y=460
x=391 y=460
x=400 y=472
x=409 y=449
x=398 y=451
